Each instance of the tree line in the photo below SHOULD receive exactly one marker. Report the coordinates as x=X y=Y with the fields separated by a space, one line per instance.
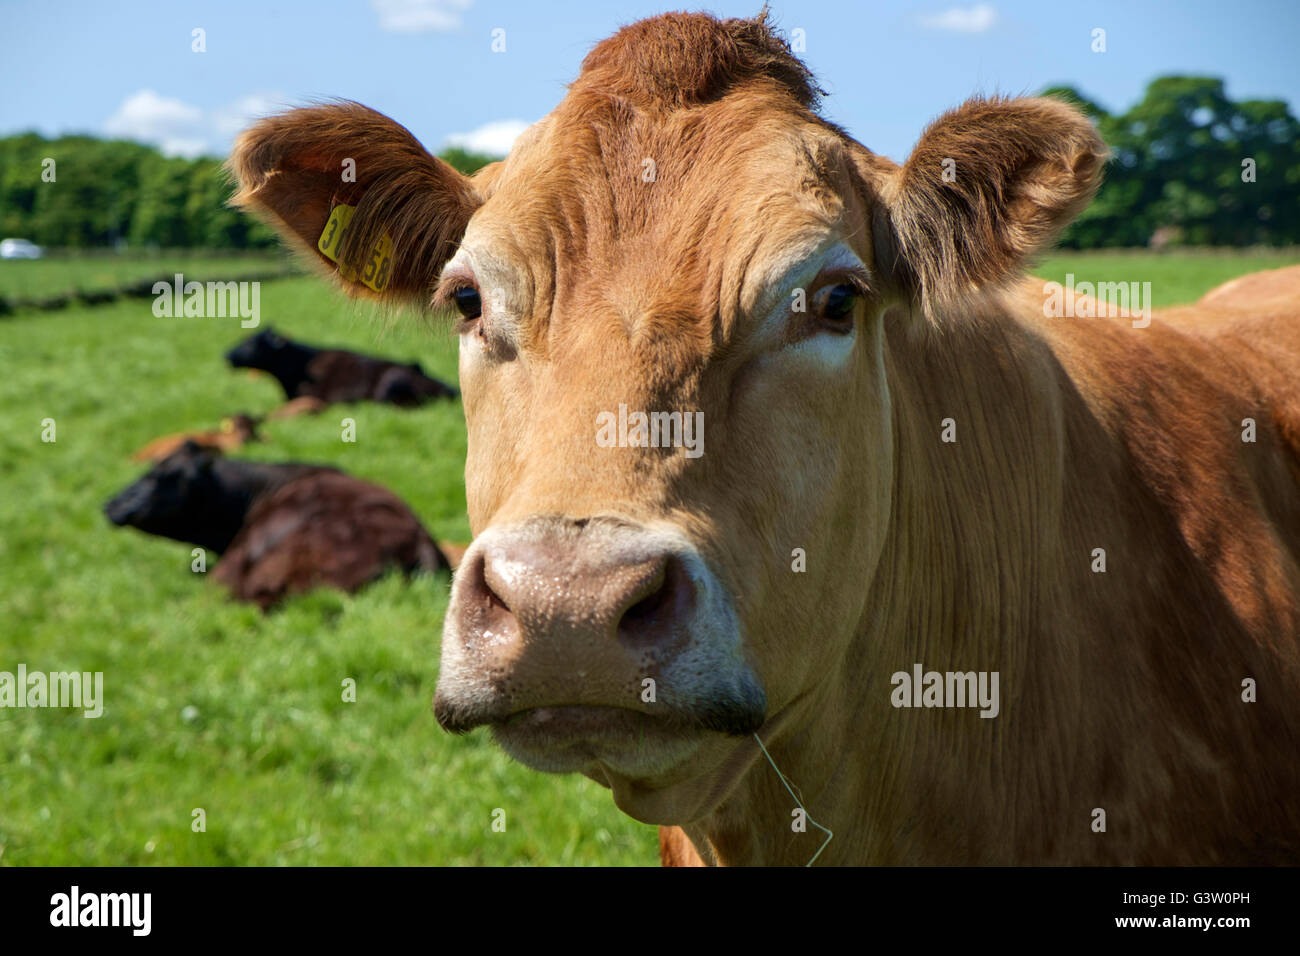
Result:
x=1189 y=166
x=83 y=192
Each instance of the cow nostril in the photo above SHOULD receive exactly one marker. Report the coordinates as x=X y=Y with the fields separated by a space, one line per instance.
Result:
x=644 y=608
x=653 y=612
x=486 y=595
x=493 y=600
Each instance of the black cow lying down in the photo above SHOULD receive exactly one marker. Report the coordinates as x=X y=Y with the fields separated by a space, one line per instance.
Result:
x=336 y=375
x=280 y=529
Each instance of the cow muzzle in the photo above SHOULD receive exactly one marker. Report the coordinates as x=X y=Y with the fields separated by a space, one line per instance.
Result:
x=593 y=642
x=125 y=507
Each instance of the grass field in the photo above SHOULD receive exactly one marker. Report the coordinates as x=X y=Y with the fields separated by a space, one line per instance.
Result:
x=286 y=771
x=211 y=705
x=1175 y=277
x=56 y=275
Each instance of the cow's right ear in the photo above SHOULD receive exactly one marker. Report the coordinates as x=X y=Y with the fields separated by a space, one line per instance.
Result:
x=358 y=192
x=989 y=185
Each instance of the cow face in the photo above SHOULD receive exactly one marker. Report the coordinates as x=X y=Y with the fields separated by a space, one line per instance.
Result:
x=627 y=610
x=166 y=500
x=675 y=301
x=258 y=351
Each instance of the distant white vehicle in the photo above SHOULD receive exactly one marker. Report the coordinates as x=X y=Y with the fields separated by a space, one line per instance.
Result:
x=20 y=249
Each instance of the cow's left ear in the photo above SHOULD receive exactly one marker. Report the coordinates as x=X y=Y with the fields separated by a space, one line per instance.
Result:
x=988 y=185
x=357 y=191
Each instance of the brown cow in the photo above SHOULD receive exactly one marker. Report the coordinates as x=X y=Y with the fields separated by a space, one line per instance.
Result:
x=1086 y=526
x=280 y=529
x=235 y=430
x=325 y=528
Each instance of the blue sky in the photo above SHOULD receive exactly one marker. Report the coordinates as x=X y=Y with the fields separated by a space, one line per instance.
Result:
x=127 y=68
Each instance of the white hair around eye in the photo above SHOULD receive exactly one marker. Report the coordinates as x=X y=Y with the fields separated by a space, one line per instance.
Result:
x=794 y=289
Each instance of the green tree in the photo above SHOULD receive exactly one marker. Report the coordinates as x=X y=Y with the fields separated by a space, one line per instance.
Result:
x=1177 y=164
x=465 y=161
x=160 y=216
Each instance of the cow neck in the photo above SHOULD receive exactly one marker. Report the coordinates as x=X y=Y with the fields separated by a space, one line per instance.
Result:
x=292 y=371
x=233 y=489
x=753 y=826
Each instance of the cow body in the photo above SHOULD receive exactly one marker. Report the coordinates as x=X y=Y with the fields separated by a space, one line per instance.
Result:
x=233 y=433
x=336 y=375
x=325 y=528
x=281 y=529
x=905 y=466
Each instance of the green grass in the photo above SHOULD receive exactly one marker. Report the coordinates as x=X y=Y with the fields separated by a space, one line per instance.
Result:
x=1175 y=277
x=208 y=703
x=65 y=274
x=286 y=771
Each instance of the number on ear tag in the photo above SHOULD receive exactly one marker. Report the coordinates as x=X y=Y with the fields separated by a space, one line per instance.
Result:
x=379 y=265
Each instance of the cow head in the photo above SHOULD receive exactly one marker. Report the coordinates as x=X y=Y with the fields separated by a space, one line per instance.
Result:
x=683 y=239
x=167 y=499
x=259 y=351
x=243 y=425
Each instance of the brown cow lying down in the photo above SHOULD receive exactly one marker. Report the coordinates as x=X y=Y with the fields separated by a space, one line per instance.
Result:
x=991 y=584
x=280 y=529
x=322 y=376
x=233 y=433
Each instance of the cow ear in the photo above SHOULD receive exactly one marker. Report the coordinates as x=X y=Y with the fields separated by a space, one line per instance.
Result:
x=988 y=185
x=358 y=192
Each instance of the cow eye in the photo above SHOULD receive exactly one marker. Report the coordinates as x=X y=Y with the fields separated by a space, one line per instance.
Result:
x=468 y=303
x=838 y=307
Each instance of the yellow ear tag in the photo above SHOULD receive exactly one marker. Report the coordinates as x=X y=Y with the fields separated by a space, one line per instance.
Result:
x=379 y=266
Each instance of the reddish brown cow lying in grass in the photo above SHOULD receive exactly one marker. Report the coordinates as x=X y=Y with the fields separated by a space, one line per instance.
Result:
x=280 y=529
x=233 y=433
x=909 y=469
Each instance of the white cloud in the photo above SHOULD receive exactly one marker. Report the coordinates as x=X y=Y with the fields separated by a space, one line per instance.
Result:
x=493 y=138
x=419 y=16
x=183 y=146
x=974 y=19
x=183 y=129
x=147 y=116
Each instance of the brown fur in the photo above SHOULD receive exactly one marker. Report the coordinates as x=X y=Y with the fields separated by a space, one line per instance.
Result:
x=1121 y=690
x=676 y=849
x=1023 y=169
x=1277 y=289
x=306 y=405
x=326 y=529
x=680 y=60
x=231 y=436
